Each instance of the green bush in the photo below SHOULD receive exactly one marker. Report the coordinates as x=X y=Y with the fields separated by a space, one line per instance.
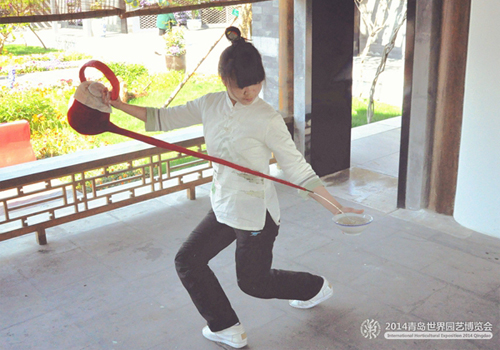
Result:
x=32 y=105
x=60 y=141
x=129 y=72
x=134 y=79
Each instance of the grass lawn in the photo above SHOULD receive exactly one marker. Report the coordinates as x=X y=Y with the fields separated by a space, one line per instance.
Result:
x=382 y=111
x=21 y=50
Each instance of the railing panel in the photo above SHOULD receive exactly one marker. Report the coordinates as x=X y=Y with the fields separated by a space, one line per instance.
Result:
x=49 y=192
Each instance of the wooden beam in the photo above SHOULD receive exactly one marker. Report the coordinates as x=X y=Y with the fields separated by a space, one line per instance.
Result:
x=60 y=16
x=158 y=10
x=119 y=12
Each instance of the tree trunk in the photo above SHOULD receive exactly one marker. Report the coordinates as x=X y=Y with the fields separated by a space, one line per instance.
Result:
x=31 y=28
x=381 y=67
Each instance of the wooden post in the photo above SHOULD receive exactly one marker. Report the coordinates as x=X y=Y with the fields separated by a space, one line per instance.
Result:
x=449 y=105
x=41 y=236
x=191 y=193
x=123 y=21
x=411 y=6
x=286 y=57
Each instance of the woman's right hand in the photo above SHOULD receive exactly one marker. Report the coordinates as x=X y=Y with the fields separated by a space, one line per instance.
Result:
x=135 y=111
x=106 y=98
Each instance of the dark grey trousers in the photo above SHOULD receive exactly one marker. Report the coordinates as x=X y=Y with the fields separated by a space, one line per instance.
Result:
x=253 y=269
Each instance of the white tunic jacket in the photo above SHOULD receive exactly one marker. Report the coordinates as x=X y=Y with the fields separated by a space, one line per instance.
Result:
x=247 y=136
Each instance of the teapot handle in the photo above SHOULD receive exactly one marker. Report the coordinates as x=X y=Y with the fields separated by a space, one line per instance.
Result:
x=108 y=73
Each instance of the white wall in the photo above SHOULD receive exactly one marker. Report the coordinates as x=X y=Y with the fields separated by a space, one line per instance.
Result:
x=477 y=204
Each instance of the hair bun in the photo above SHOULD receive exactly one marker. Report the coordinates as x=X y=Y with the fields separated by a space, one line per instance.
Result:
x=233 y=34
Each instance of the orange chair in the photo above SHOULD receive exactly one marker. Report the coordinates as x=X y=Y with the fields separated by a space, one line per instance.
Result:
x=15 y=145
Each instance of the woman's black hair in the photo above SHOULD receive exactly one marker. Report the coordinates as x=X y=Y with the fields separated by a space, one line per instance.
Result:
x=241 y=62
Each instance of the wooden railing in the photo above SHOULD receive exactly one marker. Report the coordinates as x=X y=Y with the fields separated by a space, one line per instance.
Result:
x=37 y=195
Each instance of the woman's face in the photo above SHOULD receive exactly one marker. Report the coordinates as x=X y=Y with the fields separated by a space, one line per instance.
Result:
x=244 y=96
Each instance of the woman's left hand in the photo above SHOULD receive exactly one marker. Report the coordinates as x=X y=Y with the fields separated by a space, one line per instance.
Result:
x=326 y=199
x=351 y=210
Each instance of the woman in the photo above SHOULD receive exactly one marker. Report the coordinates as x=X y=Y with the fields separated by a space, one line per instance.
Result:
x=241 y=128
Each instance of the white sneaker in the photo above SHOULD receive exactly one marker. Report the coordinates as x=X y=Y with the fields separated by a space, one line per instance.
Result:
x=325 y=293
x=234 y=336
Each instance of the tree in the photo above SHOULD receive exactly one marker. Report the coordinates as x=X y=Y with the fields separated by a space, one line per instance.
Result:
x=370 y=111
x=373 y=25
x=17 y=8
x=375 y=22
x=6 y=30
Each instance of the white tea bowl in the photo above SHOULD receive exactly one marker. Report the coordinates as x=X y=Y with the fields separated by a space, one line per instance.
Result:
x=352 y=223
